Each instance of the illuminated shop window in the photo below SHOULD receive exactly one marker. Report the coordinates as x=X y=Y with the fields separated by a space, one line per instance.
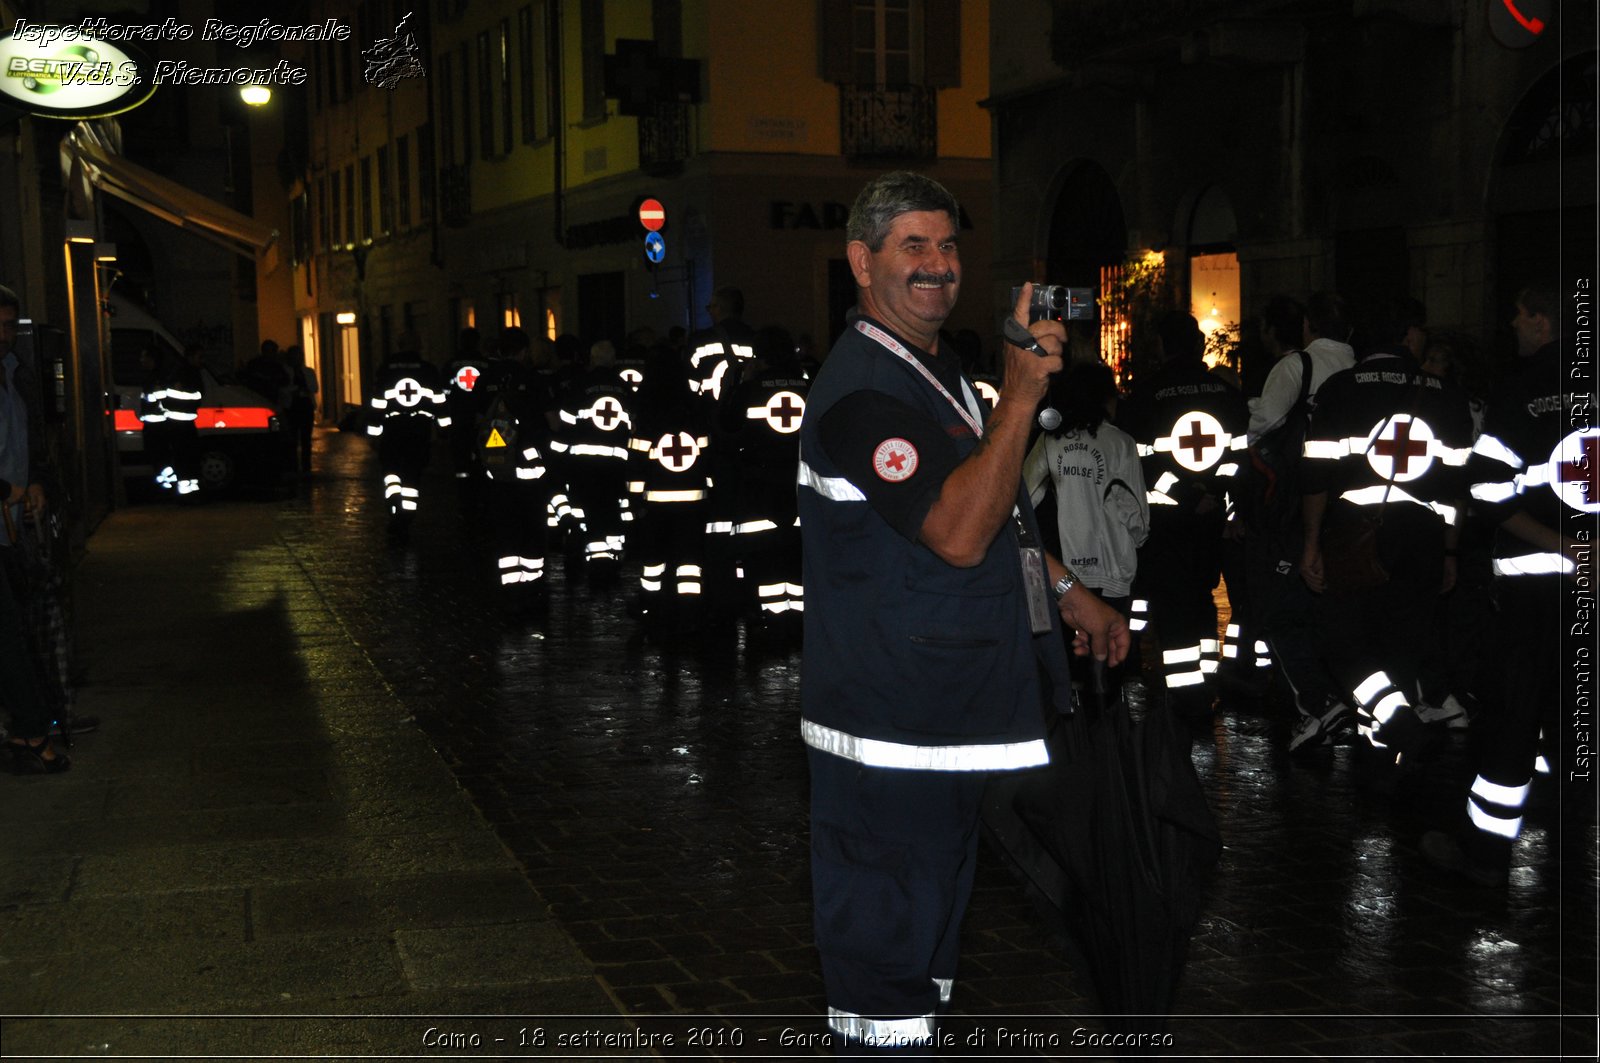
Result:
x=1214 y=301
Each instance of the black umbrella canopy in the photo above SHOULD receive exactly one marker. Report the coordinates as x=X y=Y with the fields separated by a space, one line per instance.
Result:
x=1125 y=846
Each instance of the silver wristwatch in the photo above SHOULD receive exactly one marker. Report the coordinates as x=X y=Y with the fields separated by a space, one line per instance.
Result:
x=1064 y=584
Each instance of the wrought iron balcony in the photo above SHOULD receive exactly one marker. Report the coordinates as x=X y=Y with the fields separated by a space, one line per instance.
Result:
x=664 y=137
x=455 y=195
x=876 y=123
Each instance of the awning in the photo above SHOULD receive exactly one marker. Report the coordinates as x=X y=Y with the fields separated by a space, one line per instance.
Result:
x=168 y=200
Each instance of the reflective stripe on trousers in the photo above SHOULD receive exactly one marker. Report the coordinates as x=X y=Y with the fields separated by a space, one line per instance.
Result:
x=1230 y=647
x=1378 y=701
x=1495 y=808
x=878 y=753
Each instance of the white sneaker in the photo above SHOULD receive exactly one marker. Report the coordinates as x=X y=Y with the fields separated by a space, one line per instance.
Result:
x=1321 y=728
x=1450 y=713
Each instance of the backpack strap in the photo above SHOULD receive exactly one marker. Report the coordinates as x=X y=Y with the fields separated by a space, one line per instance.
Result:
x=1305 y=381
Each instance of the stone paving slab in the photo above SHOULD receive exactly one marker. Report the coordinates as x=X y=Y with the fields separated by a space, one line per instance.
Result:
x=257 y=827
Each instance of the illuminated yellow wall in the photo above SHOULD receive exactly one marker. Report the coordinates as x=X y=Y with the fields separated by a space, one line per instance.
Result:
x=763 y=82
x=765 y=94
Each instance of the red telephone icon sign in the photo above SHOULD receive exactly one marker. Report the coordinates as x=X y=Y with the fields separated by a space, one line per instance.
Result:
x=1533 y=24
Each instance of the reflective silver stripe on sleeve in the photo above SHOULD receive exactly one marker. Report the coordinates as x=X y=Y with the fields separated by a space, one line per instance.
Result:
x=834 y=488
x=1494 y=492
x=1543 y=564
x=876 y=753
x=1491 y=447
x=1378 y=494
x=1325 y=449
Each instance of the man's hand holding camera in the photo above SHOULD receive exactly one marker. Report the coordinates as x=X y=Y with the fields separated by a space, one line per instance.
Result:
x=1028 y=369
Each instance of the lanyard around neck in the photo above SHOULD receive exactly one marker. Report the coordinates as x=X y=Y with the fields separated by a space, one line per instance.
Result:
x=895 y=347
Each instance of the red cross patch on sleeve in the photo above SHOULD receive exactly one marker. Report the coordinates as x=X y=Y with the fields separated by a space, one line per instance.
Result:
x=894 y=460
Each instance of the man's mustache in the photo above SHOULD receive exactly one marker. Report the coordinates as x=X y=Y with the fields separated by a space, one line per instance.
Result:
x=947 y=277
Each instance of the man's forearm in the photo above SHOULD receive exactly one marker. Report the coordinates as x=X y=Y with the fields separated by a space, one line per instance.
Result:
x=979 y=494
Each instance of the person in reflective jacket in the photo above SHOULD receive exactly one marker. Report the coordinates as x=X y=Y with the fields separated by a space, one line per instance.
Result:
x=169 y=406
x=1533 y=473
x=932 y=648
x=669 y=478
x=513 y=433
x=760 y=418
x=1388 y=443
x=408 y=400
x=717 y=358
x=592 y=447
x=461 y=378
x=1190 y=426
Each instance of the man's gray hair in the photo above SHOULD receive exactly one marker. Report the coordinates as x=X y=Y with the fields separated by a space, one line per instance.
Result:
x=9 y=298
x=887 y=197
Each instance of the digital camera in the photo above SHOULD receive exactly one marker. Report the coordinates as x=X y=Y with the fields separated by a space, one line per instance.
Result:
x=1054 y=302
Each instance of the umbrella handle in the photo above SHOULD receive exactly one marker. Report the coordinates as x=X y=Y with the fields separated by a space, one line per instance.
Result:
x=1097 y=676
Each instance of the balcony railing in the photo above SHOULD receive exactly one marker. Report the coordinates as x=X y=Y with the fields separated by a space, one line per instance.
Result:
x=664 y=137
x=877 y=123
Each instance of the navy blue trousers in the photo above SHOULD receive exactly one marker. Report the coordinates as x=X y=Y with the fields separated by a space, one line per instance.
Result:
x=893 y=854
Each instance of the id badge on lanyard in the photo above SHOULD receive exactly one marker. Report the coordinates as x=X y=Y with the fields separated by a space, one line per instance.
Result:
x=1035 y=577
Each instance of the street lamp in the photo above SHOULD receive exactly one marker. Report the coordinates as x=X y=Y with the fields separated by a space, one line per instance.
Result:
x=255 y=95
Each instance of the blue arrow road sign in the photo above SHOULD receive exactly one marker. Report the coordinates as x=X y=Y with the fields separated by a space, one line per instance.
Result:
x=655 y=247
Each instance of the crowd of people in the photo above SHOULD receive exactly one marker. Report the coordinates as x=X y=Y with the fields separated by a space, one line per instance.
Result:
x=1340 y=478
x=1379 y=508
x=678 y=453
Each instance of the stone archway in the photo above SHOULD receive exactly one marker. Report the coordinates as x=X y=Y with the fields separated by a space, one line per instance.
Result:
x=1087 y=229
x=1541 y=193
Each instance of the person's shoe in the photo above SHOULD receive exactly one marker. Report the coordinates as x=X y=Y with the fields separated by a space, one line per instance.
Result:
x=1405 y=733
x=1321 y=727
x=1444 y=852
x=28 y=758
x=74 y=725
x=1450 y=713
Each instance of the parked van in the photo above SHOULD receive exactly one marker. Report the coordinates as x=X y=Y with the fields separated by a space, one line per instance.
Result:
x=241 y=438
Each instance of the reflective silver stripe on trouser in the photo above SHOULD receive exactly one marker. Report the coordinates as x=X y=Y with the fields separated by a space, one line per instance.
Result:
x=877 y=753
x=781 y=597
x=1187 y=666
x=882 y=1033
x=1139 y=617
x=1379 y=700
x=1497 y=809
x=1230 y=647
x=835 y=488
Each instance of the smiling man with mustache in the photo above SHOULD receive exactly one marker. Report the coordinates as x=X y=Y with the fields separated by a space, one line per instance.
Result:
x=933 y=647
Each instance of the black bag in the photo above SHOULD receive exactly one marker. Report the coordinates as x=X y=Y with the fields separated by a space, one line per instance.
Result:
x=1274 y=495
x=497 y=434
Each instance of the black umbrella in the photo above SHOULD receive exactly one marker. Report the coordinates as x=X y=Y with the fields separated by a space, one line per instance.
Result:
x=1119 y=838
x=36 y=567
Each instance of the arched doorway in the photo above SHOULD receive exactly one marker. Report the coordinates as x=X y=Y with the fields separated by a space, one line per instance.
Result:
x=1542 y=190
x=1086 y=247
x=1214 y=295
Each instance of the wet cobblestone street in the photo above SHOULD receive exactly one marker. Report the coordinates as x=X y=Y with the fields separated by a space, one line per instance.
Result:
x=656 y=797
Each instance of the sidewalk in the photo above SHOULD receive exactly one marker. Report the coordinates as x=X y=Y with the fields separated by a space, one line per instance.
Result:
x=256 y=829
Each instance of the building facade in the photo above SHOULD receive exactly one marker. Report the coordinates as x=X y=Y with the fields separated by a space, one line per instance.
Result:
x=501 y=185
x=1425 y=147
